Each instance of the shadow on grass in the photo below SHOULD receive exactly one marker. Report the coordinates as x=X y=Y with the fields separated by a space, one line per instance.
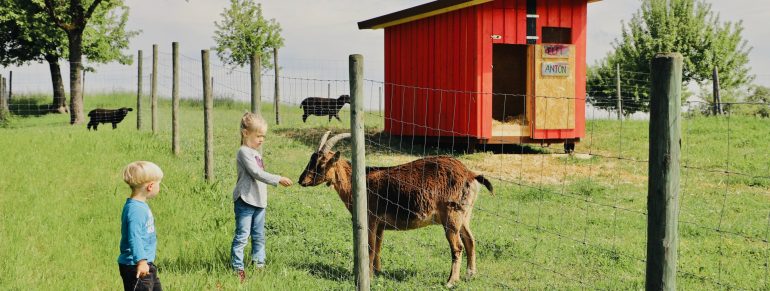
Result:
x=516 y=149
x=341 y=274
x=193 y=264
x=399 y=275
x=29 y=107
x=326 y=271
x=379 y=142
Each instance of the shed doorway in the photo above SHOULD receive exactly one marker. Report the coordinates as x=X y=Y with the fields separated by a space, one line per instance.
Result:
x=509 y=87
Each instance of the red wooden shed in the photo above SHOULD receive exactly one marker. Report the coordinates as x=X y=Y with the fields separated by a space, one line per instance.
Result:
x=490 y=71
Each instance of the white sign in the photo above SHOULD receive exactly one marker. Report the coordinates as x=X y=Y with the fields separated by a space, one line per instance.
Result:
x=555 y=69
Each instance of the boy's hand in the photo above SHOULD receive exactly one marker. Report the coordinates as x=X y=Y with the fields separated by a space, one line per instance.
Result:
x=285 y=182
x=142 y=269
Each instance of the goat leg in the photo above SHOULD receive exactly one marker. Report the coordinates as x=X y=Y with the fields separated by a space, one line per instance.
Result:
x=469 y=244
x=453 y=236
x=377 y=247
x=372 y=244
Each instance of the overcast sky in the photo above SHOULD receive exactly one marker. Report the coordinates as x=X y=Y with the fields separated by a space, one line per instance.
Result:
x=322 y=33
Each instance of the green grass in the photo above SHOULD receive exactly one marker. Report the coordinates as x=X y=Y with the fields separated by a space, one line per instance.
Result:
x=61 y=195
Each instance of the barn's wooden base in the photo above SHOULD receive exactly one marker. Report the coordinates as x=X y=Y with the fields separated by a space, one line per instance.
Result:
x=473 y=144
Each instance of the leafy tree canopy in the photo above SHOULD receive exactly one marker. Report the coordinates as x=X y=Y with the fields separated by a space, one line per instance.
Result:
x=243 y=31
x=686 y=26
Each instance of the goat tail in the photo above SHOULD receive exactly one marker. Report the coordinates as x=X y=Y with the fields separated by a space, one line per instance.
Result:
x=486 y=183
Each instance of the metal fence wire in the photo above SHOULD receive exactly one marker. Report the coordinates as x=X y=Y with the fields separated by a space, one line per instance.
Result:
x=554 y=221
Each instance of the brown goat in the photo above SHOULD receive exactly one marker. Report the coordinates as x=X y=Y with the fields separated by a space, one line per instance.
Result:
x=432 y=190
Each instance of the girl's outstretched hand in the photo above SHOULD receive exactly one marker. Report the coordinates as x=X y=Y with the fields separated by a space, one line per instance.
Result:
x=285 y=182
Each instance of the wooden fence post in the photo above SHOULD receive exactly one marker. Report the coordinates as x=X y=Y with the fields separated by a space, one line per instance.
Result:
x=717 y=96
x=256 y=83
x=3 y=101
x=208 y=104
x=620 y=98
x=277 y=91
x=360 y=225
x=663 y=183
x=154 y=89
x=139 y=92
x=10 y=85
x=175 y=99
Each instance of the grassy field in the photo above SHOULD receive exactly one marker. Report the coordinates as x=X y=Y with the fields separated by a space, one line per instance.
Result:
x=555 y=222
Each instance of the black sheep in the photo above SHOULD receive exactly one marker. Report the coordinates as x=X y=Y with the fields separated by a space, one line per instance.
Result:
x=113 y=116
x=323 y=106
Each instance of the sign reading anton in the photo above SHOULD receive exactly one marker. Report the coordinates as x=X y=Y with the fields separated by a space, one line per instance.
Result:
x=555 y=69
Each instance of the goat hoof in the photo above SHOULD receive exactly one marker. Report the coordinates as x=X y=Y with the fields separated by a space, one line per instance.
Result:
x=450 y=285
x=471 y=273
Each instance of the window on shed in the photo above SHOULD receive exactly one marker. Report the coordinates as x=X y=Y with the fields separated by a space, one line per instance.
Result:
x=557 y=35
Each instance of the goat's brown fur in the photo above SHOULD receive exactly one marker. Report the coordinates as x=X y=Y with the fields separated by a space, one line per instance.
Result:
x=432 y=190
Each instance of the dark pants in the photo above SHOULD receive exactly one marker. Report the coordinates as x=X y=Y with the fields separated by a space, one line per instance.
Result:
x=149 y=282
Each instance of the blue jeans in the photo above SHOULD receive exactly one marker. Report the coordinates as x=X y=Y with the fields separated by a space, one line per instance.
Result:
x=248 y=220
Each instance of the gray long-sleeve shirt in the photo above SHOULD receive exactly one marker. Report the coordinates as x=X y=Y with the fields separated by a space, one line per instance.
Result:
x=252 y=178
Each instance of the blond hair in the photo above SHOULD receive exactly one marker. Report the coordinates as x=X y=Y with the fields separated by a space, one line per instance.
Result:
x=252 y=123
x=139 y=173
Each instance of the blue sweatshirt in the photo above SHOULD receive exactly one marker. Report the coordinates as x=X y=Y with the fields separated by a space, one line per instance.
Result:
x=137 y=233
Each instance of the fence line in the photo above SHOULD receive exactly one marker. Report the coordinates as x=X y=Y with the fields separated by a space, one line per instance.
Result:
x=565 y=215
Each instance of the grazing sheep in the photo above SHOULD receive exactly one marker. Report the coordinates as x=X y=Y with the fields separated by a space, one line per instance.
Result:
x=323 y=106
x=113 y=116
x=432 y=190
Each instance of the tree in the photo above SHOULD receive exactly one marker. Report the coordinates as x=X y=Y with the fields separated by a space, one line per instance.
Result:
x=244 y=31
x=72 y=17
x=31 y=38
x=685 y=26
x=757 y=102
x=106 y=35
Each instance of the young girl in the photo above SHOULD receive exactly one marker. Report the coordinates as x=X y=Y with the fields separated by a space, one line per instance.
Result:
x=250 y=194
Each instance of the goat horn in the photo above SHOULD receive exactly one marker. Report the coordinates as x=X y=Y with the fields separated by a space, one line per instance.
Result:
x=323 y=140
x=332 y=141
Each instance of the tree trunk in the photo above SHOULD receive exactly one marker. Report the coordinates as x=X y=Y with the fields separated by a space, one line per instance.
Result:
x=59 y=104
x=75 y=38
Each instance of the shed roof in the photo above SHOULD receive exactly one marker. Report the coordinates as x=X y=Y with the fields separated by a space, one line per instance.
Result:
x=421 y=11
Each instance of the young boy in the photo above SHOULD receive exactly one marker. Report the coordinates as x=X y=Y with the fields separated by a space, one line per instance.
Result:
x=137 y=230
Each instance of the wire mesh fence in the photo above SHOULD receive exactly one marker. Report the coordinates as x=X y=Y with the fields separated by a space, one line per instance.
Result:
x=554 y=221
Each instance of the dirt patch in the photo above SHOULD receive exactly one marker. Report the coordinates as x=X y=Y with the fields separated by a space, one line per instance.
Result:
x=533 y=168
x=547 y=169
